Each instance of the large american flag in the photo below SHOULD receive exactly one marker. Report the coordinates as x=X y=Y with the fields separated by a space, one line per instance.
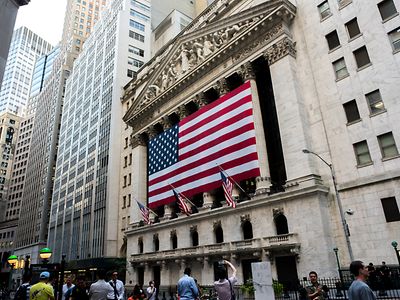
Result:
x=145 y=212
x=189 y=154
x=227 y=186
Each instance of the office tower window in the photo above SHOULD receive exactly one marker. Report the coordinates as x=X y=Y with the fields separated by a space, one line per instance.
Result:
x=375 y=102
x=362 y=57
x=140 y=5
x=340 y=68
x=139 y=15
x=136 y=25
x=135 y=62
x=394 y=37
x=362 y=153
x=131 y=73
x=387 y=145
x=324 y=10
x=135 y=50
x=352 y=28
x=333 y=40
x=387 y=9
x=136 y=36
x=390 y=209
x=351 y=111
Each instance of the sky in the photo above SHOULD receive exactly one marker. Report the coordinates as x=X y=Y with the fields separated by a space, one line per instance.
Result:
x=43 y=17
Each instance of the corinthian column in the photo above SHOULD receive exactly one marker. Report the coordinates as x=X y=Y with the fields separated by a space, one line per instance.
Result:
x=263 y=182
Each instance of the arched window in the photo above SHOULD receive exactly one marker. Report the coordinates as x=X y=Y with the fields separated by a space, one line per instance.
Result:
x=174 y=240
x=156 y=242
x=140 y=245
x=219 y=234
x=195 y=238
x=281 y=224
x=247 y=230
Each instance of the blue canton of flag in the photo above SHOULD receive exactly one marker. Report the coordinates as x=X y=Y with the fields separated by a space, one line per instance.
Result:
x=163 y=150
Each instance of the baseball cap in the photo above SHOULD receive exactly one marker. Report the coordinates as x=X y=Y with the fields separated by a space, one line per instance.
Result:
x=44 y=275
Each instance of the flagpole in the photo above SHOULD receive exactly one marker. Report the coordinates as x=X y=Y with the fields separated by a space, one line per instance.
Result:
x=191 y=203
x=234 y=181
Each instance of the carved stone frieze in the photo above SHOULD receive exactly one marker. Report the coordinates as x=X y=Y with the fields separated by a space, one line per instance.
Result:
x=217 y=224
x=151 y=131
x=277 y=211
x=182 y=112
x=245 y=218
x=200 y=100
x=166 y=122
x=279 y=50
x=173 y=233
x=193 y=228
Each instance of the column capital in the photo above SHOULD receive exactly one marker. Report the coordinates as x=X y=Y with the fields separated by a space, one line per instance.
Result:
x=200 y=100
x=137 y=140
x=246 y=71
x=182 y=112
x=165 y=122
x=151 y=131
x=279 y=50
x=221 y=86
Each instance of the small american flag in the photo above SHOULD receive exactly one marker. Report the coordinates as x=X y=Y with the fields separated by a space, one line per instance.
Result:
x=227 y=186
x=145 y=212
x=182 y=203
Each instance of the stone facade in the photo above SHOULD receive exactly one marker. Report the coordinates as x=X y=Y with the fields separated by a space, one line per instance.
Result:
x=292 y=218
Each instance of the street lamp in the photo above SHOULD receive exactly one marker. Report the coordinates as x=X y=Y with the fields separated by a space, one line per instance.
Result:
x=45 y=254
x=394 y=245
x=62 y=271
x=12 y=261
x=339 y=202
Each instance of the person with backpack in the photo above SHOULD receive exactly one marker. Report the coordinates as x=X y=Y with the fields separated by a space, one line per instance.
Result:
x=224 y=285
x=118 y=288
x=22 y=292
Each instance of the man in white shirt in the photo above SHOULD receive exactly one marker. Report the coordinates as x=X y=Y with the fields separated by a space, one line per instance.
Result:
x=117 y=286
x=68 y=285
x=100 y=289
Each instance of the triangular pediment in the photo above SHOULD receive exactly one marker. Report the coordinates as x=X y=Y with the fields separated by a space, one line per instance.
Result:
x=194 y=49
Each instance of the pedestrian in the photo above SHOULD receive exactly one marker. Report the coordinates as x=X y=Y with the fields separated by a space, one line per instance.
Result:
x=187 y=289
x=224 y=285
x=385 y=275
x=22 y=292
x=138 y=293
x=79 y=292
x=373 y=276
x=42 y=290
x=68 y=285
x=118 y=287
x=316 y=290
x=100 y=289
x=359 y=290
x=151 y=291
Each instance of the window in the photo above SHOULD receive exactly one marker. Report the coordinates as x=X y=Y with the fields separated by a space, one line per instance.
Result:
x=136 y=25
x=135 y=62
x=362 y=153
x=139 y=15
x=140 y=5
x=343 y=2
x=247 y=229
x=140 y=245
x=219 y=234
x=281 y=224
x=362 y=57
x=352 y=28
x=156 y=242
x=324 y=10
x=394 y=37
x=375 y=102
x=333 y=40
x=351 y=110
x=390 y=209
x=387 y=145
x=136 y=50
x=340 y=68
x=131 y=73
x=387 y=9
x=136 y=36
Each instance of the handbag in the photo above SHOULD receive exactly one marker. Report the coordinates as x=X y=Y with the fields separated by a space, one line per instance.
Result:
x=233 y=296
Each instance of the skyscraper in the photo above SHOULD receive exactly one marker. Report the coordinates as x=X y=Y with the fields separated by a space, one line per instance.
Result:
x=25 y=48
x=46 y=108
x=85 y=214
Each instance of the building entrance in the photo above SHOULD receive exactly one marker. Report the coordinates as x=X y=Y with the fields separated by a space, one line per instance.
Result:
x=287 y=271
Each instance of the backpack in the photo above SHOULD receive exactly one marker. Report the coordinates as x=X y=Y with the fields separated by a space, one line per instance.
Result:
x=20 y=294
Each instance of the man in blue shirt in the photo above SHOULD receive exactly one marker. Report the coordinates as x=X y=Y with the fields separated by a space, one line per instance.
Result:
x=187 y=288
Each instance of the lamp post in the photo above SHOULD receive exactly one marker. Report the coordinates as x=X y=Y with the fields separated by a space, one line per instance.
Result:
x=338 y=288
x=394 y=245
x=62 y=269
x=26 y=265
x=45 y=254
x=12 y=261
x=339 y=202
